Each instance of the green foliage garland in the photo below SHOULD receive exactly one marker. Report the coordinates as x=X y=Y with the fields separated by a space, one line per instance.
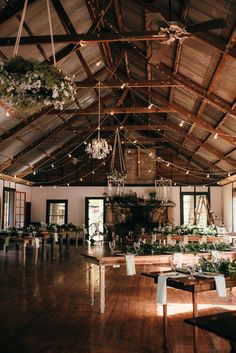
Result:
x=31 y=85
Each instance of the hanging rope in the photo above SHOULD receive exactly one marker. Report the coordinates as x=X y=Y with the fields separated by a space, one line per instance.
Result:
x=51 y=34
x=16 y=48
x=99 y=108
x=117 y=143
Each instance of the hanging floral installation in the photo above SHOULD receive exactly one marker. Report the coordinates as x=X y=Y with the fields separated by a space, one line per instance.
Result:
x=115 y=178
x=31 y=85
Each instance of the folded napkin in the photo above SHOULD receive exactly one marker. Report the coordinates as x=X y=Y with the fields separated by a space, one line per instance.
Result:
x=130 y=265
x=56 y=237
x=220 y=285
x=161 y=285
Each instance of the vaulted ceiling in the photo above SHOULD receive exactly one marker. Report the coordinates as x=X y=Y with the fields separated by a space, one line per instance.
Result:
x=178 y=99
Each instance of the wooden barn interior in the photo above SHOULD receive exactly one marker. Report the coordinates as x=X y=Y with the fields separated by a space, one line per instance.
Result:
x=118 y=176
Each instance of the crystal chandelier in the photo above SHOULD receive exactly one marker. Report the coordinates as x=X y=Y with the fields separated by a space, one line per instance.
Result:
x=98 y=148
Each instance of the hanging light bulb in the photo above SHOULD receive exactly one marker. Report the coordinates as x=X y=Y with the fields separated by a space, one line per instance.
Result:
x=187 y=172
x=216 y=136
x=98 y=148
x=181 y=124
x=69 y=155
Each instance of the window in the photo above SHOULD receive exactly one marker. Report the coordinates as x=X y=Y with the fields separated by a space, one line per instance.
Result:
x=8 y=207
x=20 y=209
x=234 y=210
x=194 y=208
x=56 y=212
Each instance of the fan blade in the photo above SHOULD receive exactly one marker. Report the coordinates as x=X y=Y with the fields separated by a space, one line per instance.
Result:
x=205 y=26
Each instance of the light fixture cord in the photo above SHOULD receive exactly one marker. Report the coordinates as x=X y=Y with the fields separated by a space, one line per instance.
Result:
x=99 y=109
x=16 y=48
x=51 y=33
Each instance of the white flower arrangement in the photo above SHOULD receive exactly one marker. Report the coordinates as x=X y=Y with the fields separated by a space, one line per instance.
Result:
x=114 y=175
x=31 y=85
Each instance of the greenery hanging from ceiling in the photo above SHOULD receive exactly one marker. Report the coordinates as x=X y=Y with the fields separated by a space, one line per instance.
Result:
x=30 y=85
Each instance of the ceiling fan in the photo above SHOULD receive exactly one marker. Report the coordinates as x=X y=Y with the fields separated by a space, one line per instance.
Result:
x=176 y=31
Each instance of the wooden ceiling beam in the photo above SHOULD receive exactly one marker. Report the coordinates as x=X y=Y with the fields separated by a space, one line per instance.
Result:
x=188 y=84
x=130 y=83
x=197 y=158
x=214 y=151
x=206 y=37
x=126 y=127
x=88 y=37
x=215 y=77
x=115 y=110
x=190 y=117
x=99 y=13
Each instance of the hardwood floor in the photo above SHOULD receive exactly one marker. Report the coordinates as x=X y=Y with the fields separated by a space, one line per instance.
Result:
x=45 y=309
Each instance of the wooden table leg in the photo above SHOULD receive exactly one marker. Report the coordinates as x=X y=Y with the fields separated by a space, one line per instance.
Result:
x=67 y=243
x=195 y=329
x=52 y=247
x=102 y=288
x=165 y=326
x=43 y=248
x=77 y=239
x=60 y=241
x=91 y=284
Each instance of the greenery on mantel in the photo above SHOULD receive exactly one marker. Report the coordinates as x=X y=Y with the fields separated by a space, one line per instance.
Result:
x=131 y=199
x=30 y=85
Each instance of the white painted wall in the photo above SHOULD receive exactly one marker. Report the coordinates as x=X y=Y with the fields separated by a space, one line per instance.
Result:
x=216 y=197
x=76 y=200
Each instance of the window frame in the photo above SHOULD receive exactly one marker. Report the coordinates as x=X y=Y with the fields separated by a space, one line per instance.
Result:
x=11 y=206
x=15 y=206
x=195 y=194
x=48 y=202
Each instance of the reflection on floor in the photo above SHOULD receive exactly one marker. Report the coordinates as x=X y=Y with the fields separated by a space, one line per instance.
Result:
x=45 y=309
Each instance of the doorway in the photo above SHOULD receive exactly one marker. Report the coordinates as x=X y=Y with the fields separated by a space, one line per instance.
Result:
x=95 y=214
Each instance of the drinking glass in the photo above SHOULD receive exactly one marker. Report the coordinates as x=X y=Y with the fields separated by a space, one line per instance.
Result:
x=136 y=246
x=112 y=245
x=173 y=262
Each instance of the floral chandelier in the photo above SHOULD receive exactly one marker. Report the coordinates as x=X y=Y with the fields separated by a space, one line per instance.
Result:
x=31 y=85
x=98 y=148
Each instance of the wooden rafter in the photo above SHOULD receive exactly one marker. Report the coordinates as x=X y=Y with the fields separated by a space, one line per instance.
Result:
x=120 y=110
x=215 y=77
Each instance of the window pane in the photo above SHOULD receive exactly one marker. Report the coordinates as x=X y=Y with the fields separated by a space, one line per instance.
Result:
x=57 y=212
x=188 y=209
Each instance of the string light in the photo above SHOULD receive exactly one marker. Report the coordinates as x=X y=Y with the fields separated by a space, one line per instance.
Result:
x=68 y=184
x=229 y=174
x=98 y=63
x=123 y=86
x=150 y=106
x=181 y=123
x=54 y=187
x=7 y=114
x=34 y=172
x=208 y=176
x=52 y=165
x=187 y=171
x=216 y=136
x=69 y=155
x=41 y=186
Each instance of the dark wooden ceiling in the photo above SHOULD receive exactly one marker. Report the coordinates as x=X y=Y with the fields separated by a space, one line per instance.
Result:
x=178 y=99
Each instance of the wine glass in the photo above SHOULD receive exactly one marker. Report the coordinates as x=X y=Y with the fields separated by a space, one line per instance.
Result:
x=112 y=245
x=173 y=262
x=191 y=268
x=136 y=246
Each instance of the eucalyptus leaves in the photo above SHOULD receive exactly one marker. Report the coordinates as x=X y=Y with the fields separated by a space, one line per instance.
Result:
x=31 y=85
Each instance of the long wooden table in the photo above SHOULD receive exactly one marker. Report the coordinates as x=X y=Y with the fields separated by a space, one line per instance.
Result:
x=103 y=259
x=198 y=285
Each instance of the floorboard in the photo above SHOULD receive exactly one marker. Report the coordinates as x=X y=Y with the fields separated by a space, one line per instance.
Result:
x=45 y=309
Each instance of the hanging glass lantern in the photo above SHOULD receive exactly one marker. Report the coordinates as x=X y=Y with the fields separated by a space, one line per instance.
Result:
x=98 y=148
